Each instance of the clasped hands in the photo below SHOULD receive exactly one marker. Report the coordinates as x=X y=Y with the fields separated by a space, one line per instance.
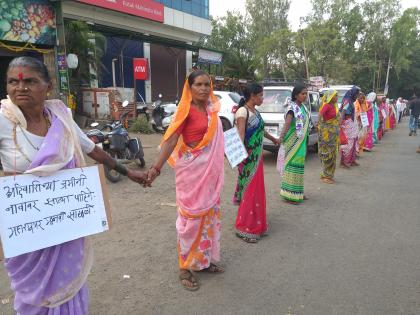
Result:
x=143 y=178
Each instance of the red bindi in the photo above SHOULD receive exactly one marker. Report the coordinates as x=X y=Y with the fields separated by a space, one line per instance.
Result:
x=20 y=76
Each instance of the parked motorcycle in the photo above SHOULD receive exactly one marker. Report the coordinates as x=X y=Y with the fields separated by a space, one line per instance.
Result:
x=118 y=144
x=162 y=115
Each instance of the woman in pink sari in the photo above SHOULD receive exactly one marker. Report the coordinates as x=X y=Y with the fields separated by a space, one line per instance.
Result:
x=370 y=99
x=194 y=146
x=39 y=137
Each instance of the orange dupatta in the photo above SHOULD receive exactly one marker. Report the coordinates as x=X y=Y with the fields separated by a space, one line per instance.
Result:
x=181 y=114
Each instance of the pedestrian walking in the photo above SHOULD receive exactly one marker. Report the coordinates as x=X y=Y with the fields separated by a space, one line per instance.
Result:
x=194 y=146
x=38 y=136
x=350 y=128
x=328 y=135
x=251 y=222
x=294 y=136
x=414 y=106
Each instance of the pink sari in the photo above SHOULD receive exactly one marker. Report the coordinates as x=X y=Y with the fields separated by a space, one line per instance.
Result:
x=199 y=181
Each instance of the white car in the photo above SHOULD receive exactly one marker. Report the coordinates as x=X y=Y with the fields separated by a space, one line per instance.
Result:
x=229 y=104
x=273 y=109
x=341 y=91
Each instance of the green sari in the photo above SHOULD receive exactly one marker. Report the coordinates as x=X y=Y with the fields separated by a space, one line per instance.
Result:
x=294 y=164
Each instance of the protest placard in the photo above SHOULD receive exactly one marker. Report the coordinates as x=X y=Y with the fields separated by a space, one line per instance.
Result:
x=364 y=119
x=234 y=148
x=384 y=113
x=39 y=212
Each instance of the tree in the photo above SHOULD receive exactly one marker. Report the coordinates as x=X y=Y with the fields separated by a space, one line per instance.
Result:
x=266 y=18
x=230 y=35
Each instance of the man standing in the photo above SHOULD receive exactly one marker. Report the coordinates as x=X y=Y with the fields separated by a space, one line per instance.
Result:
x=414 y=106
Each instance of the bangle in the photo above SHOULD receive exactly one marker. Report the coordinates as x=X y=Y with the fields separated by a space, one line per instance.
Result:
x=156 y=169
x=119 y=168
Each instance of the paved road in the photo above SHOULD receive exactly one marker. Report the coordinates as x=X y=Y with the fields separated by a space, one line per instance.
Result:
x=353 y=248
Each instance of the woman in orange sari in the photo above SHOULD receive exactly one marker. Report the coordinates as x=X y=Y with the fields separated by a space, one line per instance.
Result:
x=361 y=108
x=194 y=146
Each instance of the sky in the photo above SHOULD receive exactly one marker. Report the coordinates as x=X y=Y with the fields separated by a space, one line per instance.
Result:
x=298 y=8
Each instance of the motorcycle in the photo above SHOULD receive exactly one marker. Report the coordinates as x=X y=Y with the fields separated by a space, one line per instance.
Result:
x=162 y=115
x=118 y=144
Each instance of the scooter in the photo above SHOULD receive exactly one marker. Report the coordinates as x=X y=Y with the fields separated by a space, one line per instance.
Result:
x=118 y=144
x=162 y=115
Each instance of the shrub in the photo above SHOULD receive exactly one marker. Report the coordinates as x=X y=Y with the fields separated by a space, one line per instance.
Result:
x=141 y=125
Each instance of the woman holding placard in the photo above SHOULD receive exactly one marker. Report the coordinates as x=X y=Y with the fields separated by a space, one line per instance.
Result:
x=251 y=221
x=294 y=137
x=361 y=109
x=39 y=137
x=194 y=146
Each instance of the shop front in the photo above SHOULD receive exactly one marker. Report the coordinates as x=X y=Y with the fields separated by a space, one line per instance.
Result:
x=133 y=29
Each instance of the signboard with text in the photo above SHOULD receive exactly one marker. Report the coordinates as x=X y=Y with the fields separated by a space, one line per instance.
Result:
x=234 y=147
x=39 y=212
x=147 y=9
x=141 y=68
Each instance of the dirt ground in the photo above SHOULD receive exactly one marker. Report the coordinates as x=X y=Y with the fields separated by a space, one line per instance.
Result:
x=352 y=248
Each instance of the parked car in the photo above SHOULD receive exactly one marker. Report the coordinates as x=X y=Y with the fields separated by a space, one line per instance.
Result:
x=229 y=104
x=273 y=110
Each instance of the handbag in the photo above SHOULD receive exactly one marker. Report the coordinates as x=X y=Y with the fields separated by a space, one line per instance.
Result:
x=343 y=137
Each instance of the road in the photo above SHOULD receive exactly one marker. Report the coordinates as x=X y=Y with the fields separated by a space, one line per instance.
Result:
x=352 y=248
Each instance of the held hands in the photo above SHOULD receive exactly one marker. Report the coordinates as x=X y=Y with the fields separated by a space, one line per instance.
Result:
x=138 y=177
x=152 y=173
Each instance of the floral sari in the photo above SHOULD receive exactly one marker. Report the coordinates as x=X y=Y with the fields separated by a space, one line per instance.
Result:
x=350 y=128
x=199 y=178
x=250 y=191
x=295 y=153
x=52 y=280
x=328 y=138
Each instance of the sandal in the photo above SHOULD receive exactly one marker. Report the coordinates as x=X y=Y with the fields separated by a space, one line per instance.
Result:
x=213 y=268
x=252 y=240
x=187 y=275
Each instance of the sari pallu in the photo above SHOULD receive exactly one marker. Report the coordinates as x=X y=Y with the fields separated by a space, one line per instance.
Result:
x=294 y=164
x=251 y=219
x=52 y=280
x=328 y=138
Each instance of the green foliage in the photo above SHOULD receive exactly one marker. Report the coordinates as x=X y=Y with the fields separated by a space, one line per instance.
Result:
x=347 y=42
x=141 y=125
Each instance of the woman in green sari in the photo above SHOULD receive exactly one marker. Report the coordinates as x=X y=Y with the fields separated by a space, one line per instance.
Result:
x=294 y=136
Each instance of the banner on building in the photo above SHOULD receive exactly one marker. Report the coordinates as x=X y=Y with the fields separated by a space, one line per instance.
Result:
x=141 y=68
x=26 y=21
x=208 y=56
x=147 y=9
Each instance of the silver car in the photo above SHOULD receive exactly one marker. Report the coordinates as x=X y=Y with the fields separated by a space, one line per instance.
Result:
x=273 y=109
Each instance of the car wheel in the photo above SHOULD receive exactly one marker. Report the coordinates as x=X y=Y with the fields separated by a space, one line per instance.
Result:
x=226 y=124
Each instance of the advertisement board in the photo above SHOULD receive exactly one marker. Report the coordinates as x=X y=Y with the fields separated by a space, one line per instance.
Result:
x=30 y=21
x=144 y=8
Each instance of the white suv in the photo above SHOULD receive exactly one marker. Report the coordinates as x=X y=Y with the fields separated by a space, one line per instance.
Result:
x=273 y=109
x=229 y=104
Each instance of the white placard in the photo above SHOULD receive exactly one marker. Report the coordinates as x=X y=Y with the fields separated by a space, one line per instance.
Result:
x=234 y=148
x=383 y=111
x=364 y=119
x=39 y=212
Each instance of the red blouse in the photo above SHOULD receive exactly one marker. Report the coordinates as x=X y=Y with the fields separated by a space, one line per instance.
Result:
x=194 y=126
x=328 y=112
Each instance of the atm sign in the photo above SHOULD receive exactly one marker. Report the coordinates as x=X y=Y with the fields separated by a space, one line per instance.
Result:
x=141 y=68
